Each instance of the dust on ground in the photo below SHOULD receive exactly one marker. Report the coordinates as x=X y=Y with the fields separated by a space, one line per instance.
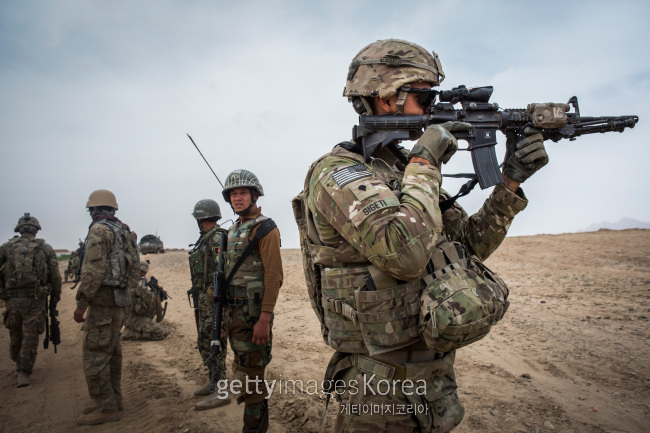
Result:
x=571 y=355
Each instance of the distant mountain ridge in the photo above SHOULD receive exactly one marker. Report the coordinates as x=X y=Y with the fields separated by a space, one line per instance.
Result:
x=623 y=224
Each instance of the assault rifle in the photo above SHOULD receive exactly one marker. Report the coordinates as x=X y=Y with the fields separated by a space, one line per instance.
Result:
x=52 y=329
x=217 y=306
x=194 y=303
x=161 y=293
x=552 y=119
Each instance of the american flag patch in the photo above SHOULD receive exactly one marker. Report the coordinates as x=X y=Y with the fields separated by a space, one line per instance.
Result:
x=349 y=174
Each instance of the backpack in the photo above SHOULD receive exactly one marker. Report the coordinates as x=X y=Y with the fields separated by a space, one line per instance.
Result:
x=25 y=266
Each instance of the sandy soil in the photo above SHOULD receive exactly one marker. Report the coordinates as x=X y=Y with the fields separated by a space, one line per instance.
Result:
x=571 y=355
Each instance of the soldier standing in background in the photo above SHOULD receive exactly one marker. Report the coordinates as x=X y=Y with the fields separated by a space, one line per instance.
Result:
x=73 y=266
x=254 y=277
x=203 y=263
x=145 y=304
x=376 y=229
x=110 y=266
x=30 y=272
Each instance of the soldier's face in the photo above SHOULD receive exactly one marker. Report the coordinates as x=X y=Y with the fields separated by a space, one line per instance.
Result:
x=240 y=198
x=411 y=105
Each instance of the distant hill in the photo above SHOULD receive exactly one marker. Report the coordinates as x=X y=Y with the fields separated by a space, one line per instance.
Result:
x=623 y=224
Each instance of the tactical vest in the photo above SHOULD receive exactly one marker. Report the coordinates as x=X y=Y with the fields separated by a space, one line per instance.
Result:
x=247 y=285
x=363 y=310
x=26 y=266
x=202 y=277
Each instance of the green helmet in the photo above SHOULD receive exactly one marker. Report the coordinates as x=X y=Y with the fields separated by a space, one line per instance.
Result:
x=206 y=208
x=384 y=66
x=102 y=197
x=241 y=179
x=27 y=220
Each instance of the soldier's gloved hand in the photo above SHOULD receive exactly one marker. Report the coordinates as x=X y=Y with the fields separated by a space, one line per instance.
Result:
x=529 y=156
x=437 y=145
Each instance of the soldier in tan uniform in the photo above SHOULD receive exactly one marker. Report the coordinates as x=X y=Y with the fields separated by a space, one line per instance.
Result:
x=254 y=277
x=382 y=244
x=110 y=266
x=139 y=323
x=30 y=272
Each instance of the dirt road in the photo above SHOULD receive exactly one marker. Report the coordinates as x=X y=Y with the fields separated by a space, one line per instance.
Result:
x=571 y=355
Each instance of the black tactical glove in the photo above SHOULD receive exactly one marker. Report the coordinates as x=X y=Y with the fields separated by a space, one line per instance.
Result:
x=437 y=145
x=529 y=156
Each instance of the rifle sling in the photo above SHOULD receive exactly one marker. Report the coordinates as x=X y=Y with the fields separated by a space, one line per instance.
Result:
x=262 y=230
x=445 y=205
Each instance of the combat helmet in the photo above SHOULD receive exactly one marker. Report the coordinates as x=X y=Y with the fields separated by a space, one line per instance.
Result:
x=27 y=220
x=102 y=197
x=383 y=67
x=144 y=265
x=241 y=179
x=206 y=208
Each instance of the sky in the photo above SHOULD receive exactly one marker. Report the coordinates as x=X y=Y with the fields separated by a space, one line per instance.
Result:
x=100 y=95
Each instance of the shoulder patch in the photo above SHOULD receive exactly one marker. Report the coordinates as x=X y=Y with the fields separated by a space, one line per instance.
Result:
x=351 y=173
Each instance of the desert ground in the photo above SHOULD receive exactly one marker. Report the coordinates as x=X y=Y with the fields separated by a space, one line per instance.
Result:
x=571 y=355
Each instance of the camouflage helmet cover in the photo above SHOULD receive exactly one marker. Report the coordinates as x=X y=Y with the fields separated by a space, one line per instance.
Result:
x=206 y=208
x=144 y=266
x=241 y=179
x=102 y=197
x=384 y=66
x=27 y=220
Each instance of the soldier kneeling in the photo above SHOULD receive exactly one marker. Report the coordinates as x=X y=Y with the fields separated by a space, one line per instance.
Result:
x=145 y=304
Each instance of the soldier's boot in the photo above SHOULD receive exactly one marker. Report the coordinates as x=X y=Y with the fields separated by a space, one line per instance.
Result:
x=23 y=379
x=203 y=391
x=92 y=407
x=96 y=418
x=214 y=400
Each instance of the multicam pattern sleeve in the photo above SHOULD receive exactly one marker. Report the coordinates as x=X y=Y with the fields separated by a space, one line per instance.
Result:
x=95 y=263
x=348 y=201
x=483 y=232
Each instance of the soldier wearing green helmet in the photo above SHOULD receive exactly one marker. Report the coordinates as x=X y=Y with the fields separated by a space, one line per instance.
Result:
x=203 y=263
x=378 y=241
x=253 y=280
x=30 y=273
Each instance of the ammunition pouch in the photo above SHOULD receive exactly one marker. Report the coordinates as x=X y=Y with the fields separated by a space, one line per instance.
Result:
x=122 y=296
x=462 y=300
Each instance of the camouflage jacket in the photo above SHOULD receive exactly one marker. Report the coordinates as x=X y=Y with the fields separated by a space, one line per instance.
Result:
x=99 y=245
x=377 y=213
x=47 y=265
x=203 y=260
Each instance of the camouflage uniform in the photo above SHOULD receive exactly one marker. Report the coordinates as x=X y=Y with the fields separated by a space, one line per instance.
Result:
x=26 y=307
x=73 y=267
x=139 y=319
x=203 y=264
x=379 y=219
x=243 y=309
x=109 y=267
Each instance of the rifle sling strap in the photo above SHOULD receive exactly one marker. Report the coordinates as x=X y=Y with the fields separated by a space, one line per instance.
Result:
x=445 y=205
x=262 y=230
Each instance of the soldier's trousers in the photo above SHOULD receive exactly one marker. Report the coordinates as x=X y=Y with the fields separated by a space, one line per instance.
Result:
x=373 y=400
x=249 y=364
x=143 y=328
x=25 y=319
x=205 y=337
x=102 y=355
